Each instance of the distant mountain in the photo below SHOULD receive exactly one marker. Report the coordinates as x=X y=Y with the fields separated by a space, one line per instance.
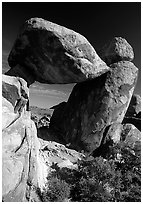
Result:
x=40 y=111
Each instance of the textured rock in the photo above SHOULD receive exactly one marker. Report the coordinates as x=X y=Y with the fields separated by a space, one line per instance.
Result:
x=114 y=132
x=129 y=135
x=22 y=169
x=124 y=132
x=49 y=53
x=94 y=105
x=116 y=50
x=14 y=98
x=57 y=154
x=132 y=137
x=134 y=107
x=120 y=139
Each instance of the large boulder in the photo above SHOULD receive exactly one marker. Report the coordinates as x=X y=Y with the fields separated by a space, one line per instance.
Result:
x=50 y=53
x=94 y=105
x=23 y=170
x=117 y=49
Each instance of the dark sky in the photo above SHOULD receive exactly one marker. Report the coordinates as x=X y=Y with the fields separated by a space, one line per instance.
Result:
x=98 y=22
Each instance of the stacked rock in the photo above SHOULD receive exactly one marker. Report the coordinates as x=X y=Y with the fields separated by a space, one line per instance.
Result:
x=49 y=53
x=96 y=104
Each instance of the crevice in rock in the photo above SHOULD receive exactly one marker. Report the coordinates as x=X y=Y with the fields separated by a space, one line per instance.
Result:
x=104 y=145
x=21 y=143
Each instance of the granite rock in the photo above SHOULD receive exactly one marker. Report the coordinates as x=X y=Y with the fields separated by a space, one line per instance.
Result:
x=22 y=168
x=96 y=104
x=50 y=53
x=118 y=49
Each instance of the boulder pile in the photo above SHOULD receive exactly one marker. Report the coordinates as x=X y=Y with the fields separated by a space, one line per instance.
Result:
x=95 y=111
x=96 y=104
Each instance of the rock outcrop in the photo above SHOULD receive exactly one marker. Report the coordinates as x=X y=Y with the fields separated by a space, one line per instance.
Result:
x=96 y=104
x=54 y=153
x=22 y=170
x=49 y=53
x=91 y=119
x=118 y=49
x=15 y=96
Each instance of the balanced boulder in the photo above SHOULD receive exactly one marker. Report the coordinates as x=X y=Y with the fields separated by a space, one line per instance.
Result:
x=94 y=105
x=117 y=49
x=50 y=53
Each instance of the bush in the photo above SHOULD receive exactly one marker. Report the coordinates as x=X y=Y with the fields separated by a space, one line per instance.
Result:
x=57 y=191
x=115 y=178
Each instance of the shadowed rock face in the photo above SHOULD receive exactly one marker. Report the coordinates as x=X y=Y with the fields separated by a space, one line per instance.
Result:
x=96 y=104
x=49 y=53
x=117 y=49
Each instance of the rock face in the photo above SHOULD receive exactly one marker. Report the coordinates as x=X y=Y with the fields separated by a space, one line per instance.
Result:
x=118 y=49
x=124 y=132
x=94 y=105
x=56 y=117
x=120 y=136
x=15 y=95
x=49 y=53
x=22 y=169
x=57 y=154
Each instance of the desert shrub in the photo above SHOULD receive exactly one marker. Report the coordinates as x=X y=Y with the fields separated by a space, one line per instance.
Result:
x=115 y=178
x=57 y=191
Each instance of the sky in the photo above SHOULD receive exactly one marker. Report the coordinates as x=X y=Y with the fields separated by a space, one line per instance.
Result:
x=99 y=22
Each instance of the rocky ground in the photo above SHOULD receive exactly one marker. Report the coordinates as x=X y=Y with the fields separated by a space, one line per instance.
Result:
x=85 y=149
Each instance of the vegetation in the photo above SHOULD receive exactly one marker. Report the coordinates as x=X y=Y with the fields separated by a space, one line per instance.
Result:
x=116 y=178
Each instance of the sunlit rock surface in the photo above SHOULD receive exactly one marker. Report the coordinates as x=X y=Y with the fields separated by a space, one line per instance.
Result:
x=22 y=167
x=118 y=49
x=50 y=53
